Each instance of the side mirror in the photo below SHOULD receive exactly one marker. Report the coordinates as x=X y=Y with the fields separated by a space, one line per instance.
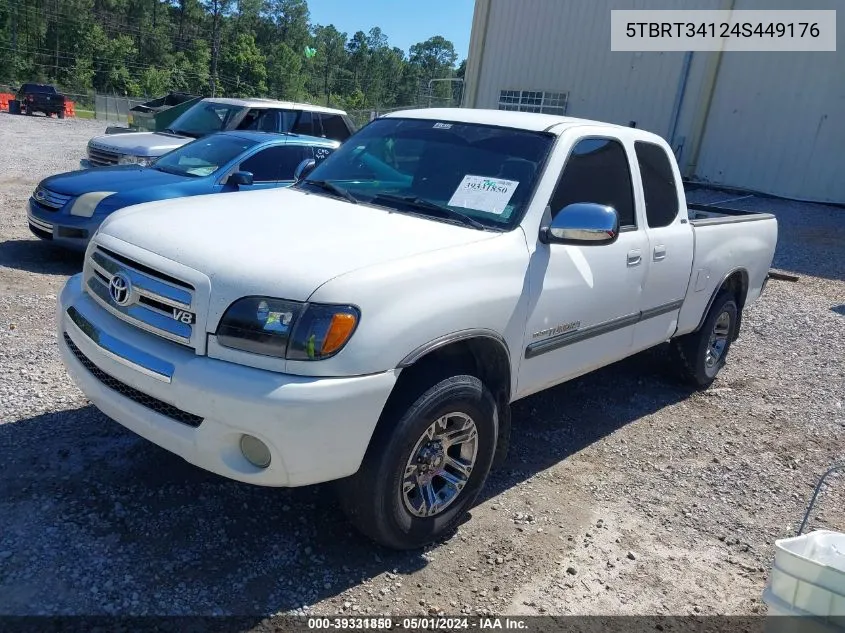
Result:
x=303 y=169
x=582 y=223
x=240 y=178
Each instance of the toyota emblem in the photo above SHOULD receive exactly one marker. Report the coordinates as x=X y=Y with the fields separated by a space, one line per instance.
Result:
x=120 y=289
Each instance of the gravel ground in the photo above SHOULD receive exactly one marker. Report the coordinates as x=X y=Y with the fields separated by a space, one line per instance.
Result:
x=625 y=493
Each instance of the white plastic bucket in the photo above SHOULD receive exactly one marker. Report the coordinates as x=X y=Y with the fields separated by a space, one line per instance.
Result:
x=808 y=579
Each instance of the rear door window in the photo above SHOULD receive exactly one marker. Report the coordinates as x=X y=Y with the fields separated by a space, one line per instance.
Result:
x=659 y=185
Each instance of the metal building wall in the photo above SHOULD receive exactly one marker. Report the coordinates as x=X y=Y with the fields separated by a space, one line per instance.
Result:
x=777 y=120
x=564 y=45
x=773 y=122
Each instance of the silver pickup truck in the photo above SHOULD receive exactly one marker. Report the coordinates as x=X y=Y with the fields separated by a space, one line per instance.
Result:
x=216 y=115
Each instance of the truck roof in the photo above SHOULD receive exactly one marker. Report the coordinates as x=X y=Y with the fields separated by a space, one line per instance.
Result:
x=503 y=118
x=265 y=103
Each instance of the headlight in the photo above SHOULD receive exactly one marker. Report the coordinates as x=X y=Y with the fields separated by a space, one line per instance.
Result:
x=86 y=204
x=128 y=159
x=287 y=329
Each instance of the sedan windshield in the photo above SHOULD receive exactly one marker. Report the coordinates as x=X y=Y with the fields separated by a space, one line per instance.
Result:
x=206 y=117
x=204 y=156
x=475 y=175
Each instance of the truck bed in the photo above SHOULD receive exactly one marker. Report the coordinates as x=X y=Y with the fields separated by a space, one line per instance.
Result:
x=727 y=241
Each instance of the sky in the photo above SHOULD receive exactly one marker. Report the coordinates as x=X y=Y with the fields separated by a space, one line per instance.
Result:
x=405 y=22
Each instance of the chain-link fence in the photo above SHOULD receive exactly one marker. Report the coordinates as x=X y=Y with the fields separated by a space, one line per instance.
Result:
x=115 y=108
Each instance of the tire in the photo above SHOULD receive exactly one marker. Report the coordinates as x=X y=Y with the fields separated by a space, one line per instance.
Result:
x=60 y=114
x=700 y=355
x=375 y=500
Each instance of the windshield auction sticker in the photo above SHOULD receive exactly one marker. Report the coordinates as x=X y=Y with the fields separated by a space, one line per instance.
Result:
x=483 y=194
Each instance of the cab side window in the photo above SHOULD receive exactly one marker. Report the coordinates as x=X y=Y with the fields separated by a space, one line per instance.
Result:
x=659 y=186
x=597 y=171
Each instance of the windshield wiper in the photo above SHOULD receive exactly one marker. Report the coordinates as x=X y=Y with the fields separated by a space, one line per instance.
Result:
x=421 y=204
x=332 y=188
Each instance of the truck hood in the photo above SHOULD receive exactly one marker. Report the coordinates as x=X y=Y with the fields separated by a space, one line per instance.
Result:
x=139 y=143
x=281 y=242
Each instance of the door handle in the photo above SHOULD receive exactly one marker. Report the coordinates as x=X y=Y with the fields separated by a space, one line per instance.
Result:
x=634 y=258
x=659 y=253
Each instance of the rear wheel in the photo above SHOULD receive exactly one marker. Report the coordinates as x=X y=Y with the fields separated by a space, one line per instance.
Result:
x=60 y=114
x=425 y=465
x=702 y=354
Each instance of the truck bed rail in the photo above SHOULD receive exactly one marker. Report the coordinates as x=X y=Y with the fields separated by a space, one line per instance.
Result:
x=709 y=214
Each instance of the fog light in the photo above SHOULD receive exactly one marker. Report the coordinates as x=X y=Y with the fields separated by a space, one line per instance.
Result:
x=255 y=451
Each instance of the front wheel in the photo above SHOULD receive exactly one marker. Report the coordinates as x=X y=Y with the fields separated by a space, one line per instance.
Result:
x=425 y=465
x=700 y=355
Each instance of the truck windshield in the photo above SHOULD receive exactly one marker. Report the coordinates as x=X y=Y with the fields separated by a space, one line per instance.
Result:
x=206 y=117
x=475 y=174
x=204 y=156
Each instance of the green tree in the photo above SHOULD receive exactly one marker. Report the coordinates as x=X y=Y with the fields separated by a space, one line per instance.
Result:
x=243 y=47
x=285 y=76
x=216 y=10
x=331 y=51
x=245 y=66
x=154 y=81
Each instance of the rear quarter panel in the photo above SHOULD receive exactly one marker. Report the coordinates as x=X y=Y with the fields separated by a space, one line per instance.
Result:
x=720 y=250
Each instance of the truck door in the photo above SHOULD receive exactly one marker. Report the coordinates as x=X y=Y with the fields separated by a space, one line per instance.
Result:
x=670 y=246
x=584 y=298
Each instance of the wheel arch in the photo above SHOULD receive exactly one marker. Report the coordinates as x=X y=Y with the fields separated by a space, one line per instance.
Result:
x=735 y=281
x=477 y=352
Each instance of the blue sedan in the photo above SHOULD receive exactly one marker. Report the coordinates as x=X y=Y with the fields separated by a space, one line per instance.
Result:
x=67 y=208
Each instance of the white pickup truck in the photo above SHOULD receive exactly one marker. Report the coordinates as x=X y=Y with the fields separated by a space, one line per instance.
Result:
x=372 y=324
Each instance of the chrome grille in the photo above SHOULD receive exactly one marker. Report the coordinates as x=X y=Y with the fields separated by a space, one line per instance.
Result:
x=152 y=298
x=102 y=157
x=50 y=200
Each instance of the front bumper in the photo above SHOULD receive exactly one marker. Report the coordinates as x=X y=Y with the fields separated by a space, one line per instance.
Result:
x=317 y=429
x=60 y=228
